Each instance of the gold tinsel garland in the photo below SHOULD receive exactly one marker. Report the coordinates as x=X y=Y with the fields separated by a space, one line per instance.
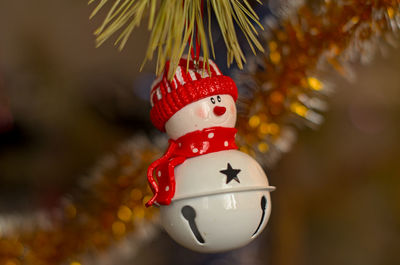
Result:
x=284 y=91
x=109 y=206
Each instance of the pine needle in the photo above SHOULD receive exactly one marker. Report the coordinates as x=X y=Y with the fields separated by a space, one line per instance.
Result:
x=173 y=22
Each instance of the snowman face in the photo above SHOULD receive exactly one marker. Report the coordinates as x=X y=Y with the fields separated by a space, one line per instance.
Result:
x=218 y=110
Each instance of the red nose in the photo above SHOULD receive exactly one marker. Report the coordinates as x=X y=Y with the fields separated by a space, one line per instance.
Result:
x=219 y=110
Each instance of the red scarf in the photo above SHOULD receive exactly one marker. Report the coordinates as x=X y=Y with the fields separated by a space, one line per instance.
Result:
x=189 y=145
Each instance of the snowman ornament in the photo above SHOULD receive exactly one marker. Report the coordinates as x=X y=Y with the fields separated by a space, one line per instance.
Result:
x=212 y=197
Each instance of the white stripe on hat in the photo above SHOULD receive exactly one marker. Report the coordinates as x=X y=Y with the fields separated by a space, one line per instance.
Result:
x=175 y=83
x=203 y=72
x=179 y=76
x=151 y=98
x=215 y=68
x=159 y=96
x=167 y=85
x=192 y=75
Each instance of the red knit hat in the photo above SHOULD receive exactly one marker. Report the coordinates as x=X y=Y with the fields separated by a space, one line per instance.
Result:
x=169 y=96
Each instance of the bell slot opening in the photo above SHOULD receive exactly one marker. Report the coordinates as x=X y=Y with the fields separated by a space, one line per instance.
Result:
x=189 y=214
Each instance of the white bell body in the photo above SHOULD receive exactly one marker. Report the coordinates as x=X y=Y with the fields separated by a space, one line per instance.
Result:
x=213 y=211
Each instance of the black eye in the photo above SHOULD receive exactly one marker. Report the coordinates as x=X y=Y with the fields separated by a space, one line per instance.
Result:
x=219 y=98
x=213 y=100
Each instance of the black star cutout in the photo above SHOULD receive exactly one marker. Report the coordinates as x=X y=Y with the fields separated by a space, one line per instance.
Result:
x=231 y=173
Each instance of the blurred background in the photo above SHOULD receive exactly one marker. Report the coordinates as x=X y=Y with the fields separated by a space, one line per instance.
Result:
x=65 y=104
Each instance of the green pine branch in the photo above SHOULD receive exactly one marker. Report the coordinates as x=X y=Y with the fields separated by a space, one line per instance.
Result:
x=172 y=23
